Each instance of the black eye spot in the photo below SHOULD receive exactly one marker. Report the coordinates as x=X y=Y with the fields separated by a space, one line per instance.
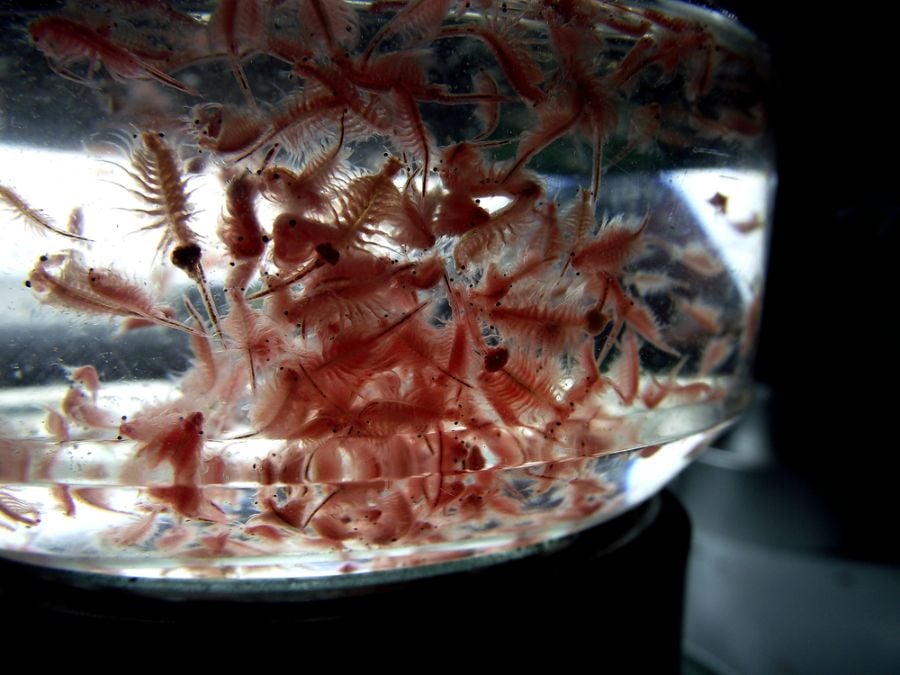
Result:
x=186 y=257
x=328 y=253
x=495 y=359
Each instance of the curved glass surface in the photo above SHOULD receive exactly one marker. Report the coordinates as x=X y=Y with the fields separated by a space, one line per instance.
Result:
x=306 y=288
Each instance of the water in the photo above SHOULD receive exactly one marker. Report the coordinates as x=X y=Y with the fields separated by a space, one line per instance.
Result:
x=410 y=295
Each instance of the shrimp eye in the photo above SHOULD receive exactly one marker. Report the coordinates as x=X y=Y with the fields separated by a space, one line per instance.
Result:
x=495 y=359
x=328 y=253
x=186 y=257
x=595 y=320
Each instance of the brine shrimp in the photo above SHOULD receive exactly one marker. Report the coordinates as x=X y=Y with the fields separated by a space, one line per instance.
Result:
x=238 y=27
x=417 y=22
x=65 y=281
x=160 y=183
x=38 y=221
x=488 y=111
x=294 y=121
x=308 y=189
x=75 y=224
x=522 y=72
x=429 y=328
x=18 y=510
x=65 y=41
x=226 y=129
x=239 y=227
x=329 y=26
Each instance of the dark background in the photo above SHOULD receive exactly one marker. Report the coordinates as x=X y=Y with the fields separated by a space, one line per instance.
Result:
x=795 y=558
x=827 y=352
x=827 y=345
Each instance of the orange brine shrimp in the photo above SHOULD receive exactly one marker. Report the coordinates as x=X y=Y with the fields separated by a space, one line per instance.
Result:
x=172 y=438
x=64 y=280
x=658 y=391
x=237 y=27
x=716 y=353
x=18 y=510
x=75 y=224
x=708 y=318
x=56 y=426
x=327 y=25
x=644 y=126
x=239 y=227
x=297 y=119
x=417 y=22
x=698 y=259
x=555 y=119
x=367 y=203
x=521 y=390
x=311 y=188
x=614 y=246
x=501 y=229
x=385 y=93
x=624 y=375
x=547 y=319
x=65 y=41
x=160 y=182
x=522 y=72
x=35 y=219
x=225 y=129
x=82 y=408
x=80 y=402
x=435 y=320
x=487 y=112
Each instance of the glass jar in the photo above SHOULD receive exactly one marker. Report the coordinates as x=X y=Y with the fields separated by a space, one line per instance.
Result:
x=300 y=289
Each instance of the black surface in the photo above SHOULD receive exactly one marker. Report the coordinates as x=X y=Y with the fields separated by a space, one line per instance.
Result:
x=770 y=590
x=829 y=330
x=610 y=592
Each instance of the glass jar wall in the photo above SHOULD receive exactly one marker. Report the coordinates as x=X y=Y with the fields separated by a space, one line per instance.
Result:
x=308 y=288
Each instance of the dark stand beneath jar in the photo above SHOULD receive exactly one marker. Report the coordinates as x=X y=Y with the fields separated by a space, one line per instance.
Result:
x=611 y=596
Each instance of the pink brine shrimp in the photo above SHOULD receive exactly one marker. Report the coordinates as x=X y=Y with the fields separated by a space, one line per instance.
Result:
x=424 y=281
